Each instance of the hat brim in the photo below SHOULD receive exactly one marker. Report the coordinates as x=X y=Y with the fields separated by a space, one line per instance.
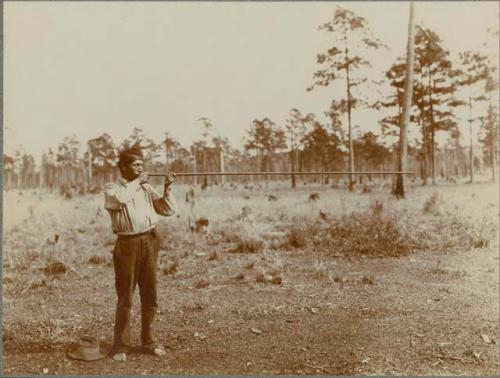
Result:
x=86 y=354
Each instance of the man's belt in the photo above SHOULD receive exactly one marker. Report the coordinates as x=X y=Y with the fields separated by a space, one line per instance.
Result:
x=128 y=234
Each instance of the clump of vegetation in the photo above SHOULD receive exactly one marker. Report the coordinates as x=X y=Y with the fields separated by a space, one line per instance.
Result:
x=248 y=244
x=277 y=279
x=368 y=280
x=377 y=207
x=365 y=234
x=170 y=268
x=322 y=270
x=7 y=280
x=260 y=278
x=431 y=205
x=298 y=233
x=453 y=232
x=201 y=283
x=243 y=238
x=97 y=260
x=339 y=279
x=376 y=233
x=313 y=197
x=37 y=284
x=55 y=268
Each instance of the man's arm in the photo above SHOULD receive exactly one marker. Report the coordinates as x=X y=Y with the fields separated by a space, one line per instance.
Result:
x=163 y=205
x=115 y=196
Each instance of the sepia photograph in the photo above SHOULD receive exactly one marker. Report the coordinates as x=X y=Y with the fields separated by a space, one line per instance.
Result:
x=250 y=188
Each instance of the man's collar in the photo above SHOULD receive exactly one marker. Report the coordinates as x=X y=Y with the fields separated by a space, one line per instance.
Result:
x=123 y=182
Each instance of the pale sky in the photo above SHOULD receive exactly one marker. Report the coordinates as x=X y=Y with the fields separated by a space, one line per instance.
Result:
x=86 y=68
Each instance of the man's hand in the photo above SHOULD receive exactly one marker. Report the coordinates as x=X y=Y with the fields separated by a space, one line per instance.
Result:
x=169 y=179
x=143 y=178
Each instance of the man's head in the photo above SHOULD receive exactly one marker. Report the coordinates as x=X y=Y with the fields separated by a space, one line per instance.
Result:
x=131 y=163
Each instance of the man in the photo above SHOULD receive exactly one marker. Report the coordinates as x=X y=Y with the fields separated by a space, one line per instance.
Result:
x=133 y=204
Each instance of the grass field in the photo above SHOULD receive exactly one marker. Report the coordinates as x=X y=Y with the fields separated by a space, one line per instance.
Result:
x=349 y=283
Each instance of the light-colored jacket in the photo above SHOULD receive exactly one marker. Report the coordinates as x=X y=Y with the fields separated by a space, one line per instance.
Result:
x=133 y=206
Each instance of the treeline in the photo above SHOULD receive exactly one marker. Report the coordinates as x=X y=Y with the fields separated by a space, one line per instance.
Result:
x=68 y=167
x=444 y=87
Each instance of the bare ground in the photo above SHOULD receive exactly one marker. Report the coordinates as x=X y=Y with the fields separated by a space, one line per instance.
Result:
x=429 y=313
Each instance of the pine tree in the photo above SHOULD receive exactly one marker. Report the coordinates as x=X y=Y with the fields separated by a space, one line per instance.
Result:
x=340 y=62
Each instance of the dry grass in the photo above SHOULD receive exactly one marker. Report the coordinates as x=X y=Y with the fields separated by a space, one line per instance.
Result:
x=55 y=268
x=97 y=260
x=170 y=268
x=243 y=237
x=268 y=248
x=371 y=225
x=432 y=204
x=323 y=270
x=201 y=283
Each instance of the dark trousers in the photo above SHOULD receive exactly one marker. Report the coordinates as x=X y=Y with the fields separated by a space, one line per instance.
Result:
x=135 y=259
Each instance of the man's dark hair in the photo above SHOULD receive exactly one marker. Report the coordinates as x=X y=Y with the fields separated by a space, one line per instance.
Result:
x=128 y=155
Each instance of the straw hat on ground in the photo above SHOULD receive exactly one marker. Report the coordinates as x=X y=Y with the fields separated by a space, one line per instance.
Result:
x=87 y=349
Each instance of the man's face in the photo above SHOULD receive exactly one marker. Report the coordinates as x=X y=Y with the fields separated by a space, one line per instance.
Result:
x=133 y=170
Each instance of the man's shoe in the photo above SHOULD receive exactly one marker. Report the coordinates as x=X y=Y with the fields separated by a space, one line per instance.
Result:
x=155 y=350
x=159 y=351
x=120 y=357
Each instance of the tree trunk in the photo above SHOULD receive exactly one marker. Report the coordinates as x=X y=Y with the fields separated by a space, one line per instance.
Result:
x=267 y=166
x=494 y=137
x=41 y=177
x=205 y=178
x=424 y=149
x=194 y=166
x=471 y=155
x=221 y=166
x=433 y=157
x=292 y=158
x=432 y=131
x=166 y=153
x=399 y=191
x=351 y=147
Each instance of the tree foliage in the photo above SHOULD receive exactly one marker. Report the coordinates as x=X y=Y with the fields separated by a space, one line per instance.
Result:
x=265 y=138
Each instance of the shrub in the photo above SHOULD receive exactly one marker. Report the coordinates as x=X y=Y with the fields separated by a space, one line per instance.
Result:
x=322 y=270
x=431 y=205
x=453 y=232
x=277 y=279
x=300 y=232
x=368 y=280
x=367 y=234
x=97 y=260
x=201 y=283
x=55 y=268
x=243 y=237
x=260 y=278
x=170 y=268
x=248 y=244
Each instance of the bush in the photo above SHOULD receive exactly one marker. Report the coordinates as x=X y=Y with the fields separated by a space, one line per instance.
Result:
x=368 y=234
x=431 y=205
x=299 y=233
x=170 y=268
x=97 y=260
x=453 y=232
x=248 y=244
x=55 y=268
x=243 y=237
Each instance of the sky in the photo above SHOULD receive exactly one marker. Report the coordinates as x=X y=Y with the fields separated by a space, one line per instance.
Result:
x=86 y=68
